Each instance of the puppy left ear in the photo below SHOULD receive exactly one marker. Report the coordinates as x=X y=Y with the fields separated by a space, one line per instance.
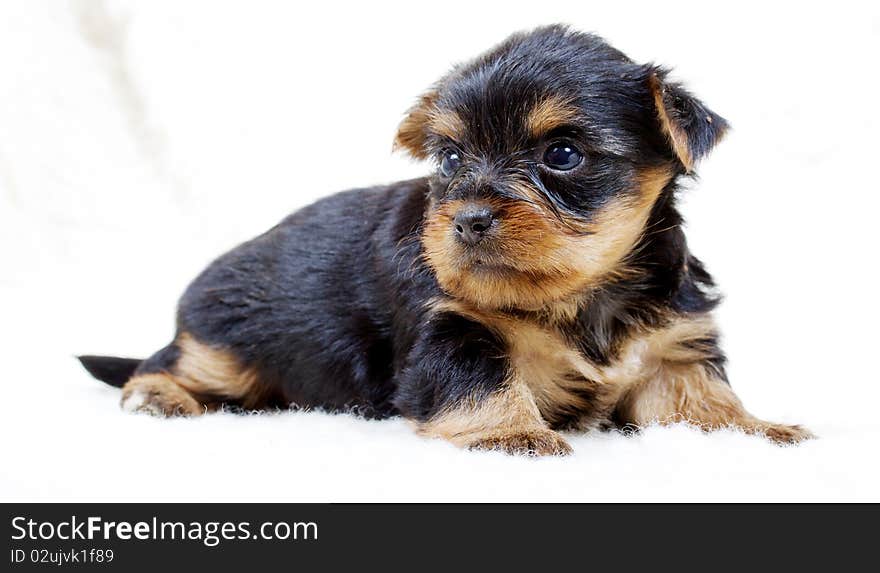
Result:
x=691 y=128
x=412 y=133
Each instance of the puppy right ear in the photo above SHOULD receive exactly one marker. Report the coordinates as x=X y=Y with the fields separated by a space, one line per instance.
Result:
x=412 y=134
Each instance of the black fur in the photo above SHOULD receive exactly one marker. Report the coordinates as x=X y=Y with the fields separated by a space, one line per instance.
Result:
x=454 y=358
x=330 y=307
x=110 y=369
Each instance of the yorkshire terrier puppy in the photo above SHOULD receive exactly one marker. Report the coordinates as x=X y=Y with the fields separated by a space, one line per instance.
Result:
x=538 y=280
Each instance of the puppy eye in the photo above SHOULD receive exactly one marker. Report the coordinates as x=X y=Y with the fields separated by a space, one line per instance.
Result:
x=562 y=156
x=449 y=163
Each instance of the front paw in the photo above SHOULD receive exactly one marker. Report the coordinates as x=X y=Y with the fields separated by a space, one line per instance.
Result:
x=783 y=434
x=528 y=443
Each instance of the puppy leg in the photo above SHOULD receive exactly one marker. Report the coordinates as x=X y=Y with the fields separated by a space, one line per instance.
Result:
x=160 y=394
x=189 y=378
x=696 y=393
x=508 y=421
x=458 y=385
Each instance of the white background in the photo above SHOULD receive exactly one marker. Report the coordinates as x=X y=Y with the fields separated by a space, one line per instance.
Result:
x=137 y=142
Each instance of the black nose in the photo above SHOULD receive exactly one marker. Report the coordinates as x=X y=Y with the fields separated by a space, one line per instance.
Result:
x=472 y=222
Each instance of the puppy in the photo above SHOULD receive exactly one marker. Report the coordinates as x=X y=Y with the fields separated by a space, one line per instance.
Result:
x=538 y=280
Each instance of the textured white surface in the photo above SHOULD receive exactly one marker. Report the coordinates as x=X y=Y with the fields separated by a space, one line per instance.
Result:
x=137 y=143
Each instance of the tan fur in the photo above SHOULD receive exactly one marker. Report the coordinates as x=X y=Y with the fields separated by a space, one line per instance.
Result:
x=446 y=123
x=160 y=394
x=213 y=372
x=425 y=117
x=411 y=132
x=668 y=380
x=660 y=375
x=531 y=442
x=508 y=420
x=677 y=136
x=202 y=378
x=550 y=113
x=539 y=260
x=695 y=394
x=679 y=341
x=543 y=361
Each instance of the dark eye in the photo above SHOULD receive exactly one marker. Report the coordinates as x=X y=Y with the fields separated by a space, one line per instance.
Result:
x=562 y=156
x=449 y=163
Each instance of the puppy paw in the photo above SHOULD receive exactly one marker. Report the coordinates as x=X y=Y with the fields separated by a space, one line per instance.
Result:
x=528 y=443
x=158 y=395
x=785 y=435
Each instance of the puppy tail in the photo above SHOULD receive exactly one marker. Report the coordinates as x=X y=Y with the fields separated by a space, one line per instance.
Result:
x=110 y=369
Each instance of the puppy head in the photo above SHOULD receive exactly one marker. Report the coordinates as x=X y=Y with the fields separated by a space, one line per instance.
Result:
x=551 y=150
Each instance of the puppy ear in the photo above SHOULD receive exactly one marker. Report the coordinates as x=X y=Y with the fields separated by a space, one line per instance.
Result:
x=691 y=128
x=412 y=132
